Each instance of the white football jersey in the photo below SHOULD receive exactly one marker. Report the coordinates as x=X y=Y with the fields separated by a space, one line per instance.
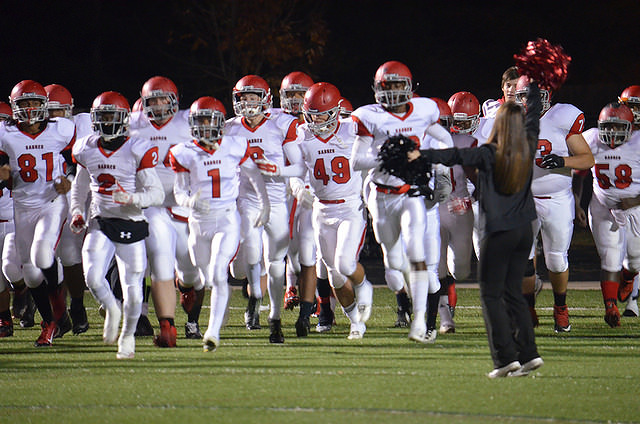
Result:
x=84 y=127
x=36 y=160
x=374 y=121
x=483 y=131
x=460 y=187
x=213 y=173
x=108 y=169
x=175 y=131
x=266 y=140
x=616 y=173
x=330 y=173
x=556 y=125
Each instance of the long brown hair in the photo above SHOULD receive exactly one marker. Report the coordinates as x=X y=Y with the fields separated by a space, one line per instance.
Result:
x=513 y=153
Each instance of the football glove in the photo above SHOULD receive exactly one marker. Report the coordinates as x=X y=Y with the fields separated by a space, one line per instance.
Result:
x=552 y=161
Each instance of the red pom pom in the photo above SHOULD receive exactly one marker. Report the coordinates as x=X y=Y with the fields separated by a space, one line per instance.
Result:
x=543 y=62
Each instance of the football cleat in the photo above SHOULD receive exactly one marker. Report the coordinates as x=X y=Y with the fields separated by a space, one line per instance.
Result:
x=252 y=314
x=625 y=288
x=357 y=330
x=506 y=371
x=325 y=320
x=302 y=327
x=21 y=300
x=561 y=319
x=188 y=299
x=418 y=332
x=126 y=347
x=632 y=308
x=404 y=318
x=291 y=298
x=6 y=327
x=111 y=324
x=79 y=319
x=527 y=367
x=276 y=336
x=168 y=335
x=192 y=330
x=447 y=329
x=611 y=314
x=46 y=336
x=211 y=343
x=27 y=318
x=63 y=325
x=143 y=327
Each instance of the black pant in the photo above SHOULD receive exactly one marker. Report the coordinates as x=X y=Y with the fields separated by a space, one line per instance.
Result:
x=503 y=258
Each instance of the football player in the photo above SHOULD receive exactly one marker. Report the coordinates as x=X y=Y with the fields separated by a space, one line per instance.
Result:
x=561 y=148
x=398 y=219
x=269 y=135
x=207 y=182
x=119 y=171
x=33 y=149
x=163 y=124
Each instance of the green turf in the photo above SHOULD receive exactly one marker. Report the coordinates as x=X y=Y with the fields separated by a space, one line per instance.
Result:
x=590 y=375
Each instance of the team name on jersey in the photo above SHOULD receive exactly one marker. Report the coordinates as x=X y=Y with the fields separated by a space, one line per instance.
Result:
x=326 y=151
x=608 y=157
x=403 y=130
x=211 y=162
x=254 y=140
x=157 y=137
x=106 y=166
x=34 y=146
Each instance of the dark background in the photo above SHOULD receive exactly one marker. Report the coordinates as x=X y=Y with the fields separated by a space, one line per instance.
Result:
x=205 y=46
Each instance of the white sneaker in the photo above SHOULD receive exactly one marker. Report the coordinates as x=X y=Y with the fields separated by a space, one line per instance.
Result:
x=211 y=343
x=505 y=371
x=418 y=332
x=111 y=324
x=631 y=309
x=126 y=347
x=357 y=331
x=527 y=367
x=447 y=328
x=430 y=336
x=364 y=299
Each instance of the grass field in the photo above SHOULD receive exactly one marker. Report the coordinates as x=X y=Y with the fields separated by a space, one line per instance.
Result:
x=590 y=375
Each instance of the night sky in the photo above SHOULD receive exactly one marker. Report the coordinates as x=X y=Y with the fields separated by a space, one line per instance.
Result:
x=95 y=46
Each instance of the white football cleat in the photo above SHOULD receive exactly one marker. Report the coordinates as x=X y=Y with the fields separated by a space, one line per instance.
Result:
x=111 y=324
x=527 y=367
x=126 y=347
x=505 y=371
x=357 y=331
x=210 y=344
x=418 y=332
x=631 y=309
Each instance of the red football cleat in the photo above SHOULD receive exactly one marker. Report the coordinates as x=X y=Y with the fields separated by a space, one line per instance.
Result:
x=6 y=327
x=624 y=290
x=168 y=335
x=611 y=313
x=561 y=318
x=291 y=298
x=46 y=336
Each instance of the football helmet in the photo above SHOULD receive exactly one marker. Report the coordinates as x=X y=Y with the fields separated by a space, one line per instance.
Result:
x=26 y=92
x=5 y=112
x=110 y=115
x=393 y=84
x=522 y=90
x=295 y=82
x=446 y=117
x=465 y=109
x=631 y=97
x=321 y=107
x=159 y=98
x=251 y=84
x=615 y=124
x=59 y=98
x=206 y=120
x=346 y=108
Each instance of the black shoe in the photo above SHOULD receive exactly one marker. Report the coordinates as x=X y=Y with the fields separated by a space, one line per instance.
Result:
x=276 y=336
x=404 y=319
x=192 y=330
x=325 y=320
x=79 y=319
x=27 y=318
x=143 y=327
x=63 y=325
x=252 y=314
x=302 y=327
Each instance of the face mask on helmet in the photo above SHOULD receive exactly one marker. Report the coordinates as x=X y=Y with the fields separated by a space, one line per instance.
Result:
x=250 y=103
x=545 y=98
x=207 y=127
x=393 y=91
x=30 y=108
x=614 y=132
x=464 y=124
x=110 y=122
x=321 y=123
x=291 y=99
x=160 y=105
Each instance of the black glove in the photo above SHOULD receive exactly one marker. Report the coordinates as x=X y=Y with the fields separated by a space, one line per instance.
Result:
x=552 y=161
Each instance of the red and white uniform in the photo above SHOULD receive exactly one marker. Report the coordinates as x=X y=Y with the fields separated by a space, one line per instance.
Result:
x=214 y=232
x=267 y=140
x=167 y=245
x=100 y=171
x=6 y=228
x=338 y=220
x=615 y=177
x=36 y=162
x=551 y=188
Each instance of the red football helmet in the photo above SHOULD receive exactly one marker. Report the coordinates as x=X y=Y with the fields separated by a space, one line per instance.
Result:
x=251 y=84
x=5 y=112
x=206 y=120
x=137 y=105
x=59 y=98
x=393 y=84
x=446 y=117
x=110 y=115
x=346 y=108
x=22 y=105
x=159 y=98
x=522 y=90
x=615 y=124
x=466 y=112
x=321 y=107
x=631 y=97
x=295 y=82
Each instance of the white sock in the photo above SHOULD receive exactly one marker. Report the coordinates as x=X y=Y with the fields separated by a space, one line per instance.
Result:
x=419 y=285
